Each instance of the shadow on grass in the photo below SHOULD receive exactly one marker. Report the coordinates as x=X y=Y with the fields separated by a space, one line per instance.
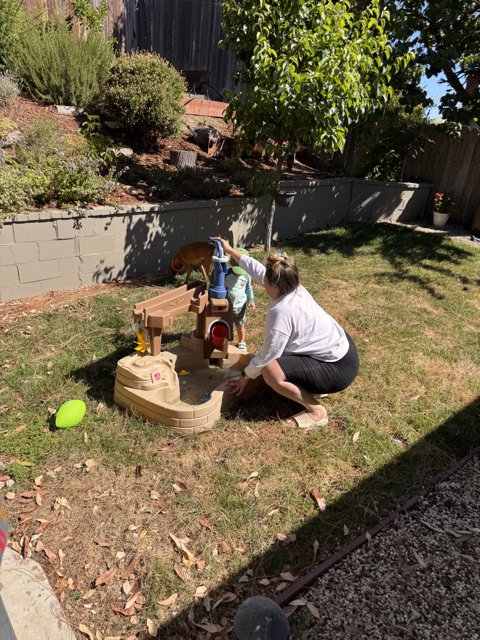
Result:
x=404 y=249
x=358 y=509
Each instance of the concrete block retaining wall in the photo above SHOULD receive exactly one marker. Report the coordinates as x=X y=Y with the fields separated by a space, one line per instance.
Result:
x=54 y=250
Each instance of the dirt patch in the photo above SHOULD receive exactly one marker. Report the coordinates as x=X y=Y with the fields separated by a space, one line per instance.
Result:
x=24 y=112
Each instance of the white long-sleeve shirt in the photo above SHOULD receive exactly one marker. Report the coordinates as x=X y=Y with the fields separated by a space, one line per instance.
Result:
x=296 y=325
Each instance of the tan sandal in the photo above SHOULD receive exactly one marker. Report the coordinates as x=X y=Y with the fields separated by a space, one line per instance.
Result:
x=305 y=422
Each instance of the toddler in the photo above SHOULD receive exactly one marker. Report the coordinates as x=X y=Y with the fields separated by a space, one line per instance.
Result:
x=240 y=292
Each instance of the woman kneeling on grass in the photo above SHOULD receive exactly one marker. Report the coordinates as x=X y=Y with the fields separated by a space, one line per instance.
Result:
x=305 y=351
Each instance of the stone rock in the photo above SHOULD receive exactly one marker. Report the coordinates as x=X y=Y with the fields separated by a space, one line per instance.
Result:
x=65 y=110
x=259 y=618
x=12 y=139
x=126 y=152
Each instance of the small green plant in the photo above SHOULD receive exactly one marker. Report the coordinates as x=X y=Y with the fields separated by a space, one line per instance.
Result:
x=196 y=185
x=256 y=183
x=7 y=126
x=14 y=191
x=9 y=13
x=9 y=89
x=161 y=181
x=99 y=145
x=57 y=66
x=41 y=140
x=144 y=93
x=91 y=17
x=232 y=165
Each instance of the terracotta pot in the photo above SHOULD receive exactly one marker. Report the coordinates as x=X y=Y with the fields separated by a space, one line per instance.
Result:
x=440 y=219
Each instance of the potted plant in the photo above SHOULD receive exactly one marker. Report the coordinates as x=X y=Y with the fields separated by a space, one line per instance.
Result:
x=443 y=207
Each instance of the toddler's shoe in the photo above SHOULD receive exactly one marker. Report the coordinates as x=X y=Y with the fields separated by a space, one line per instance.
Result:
x=242 y=346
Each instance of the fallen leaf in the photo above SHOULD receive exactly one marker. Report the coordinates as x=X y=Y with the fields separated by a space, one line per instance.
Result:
x=253 y=475
x=228 y=596
x=346 y=530
x=273 y=512
x=38 y=499
x=223 y=547
x=89 y=464
x=154 y=495
x=368 y=536
x=180 y=544
x=168 y=601
x=102 y=543
x=255 y=491
x=86 y=631
x=10 y=495
x=288 y=576
x=210 y=627
x=316 y=546
x=281 y=586
x=50 y=555
x=320 y=500
x=61 y=556
x=179 y=486
x=300 y=602
x=61 y=502
x=356 y=436
x=419 y=559
x=264 y=582
x=286 y=539
x=100 y=407
x=130 y=568
x=152 y=627
x=200 y=564
x=120 y=555
x=203 y=522
x=180 y=571
x=71 y=584
x=244 y=578
x=85 y=437
x=201 y=591
x=131 y=601
x=105 y=578
x=313 y=610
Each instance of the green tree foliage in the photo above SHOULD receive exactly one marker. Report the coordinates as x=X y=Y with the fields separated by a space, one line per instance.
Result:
x=445 y=35
x=92 y=18
x=387 y=138
x=310 y=69
x=144 y=93
x=57 y=66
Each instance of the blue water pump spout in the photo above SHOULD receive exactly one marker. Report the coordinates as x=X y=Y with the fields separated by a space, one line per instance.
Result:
x=217 y=289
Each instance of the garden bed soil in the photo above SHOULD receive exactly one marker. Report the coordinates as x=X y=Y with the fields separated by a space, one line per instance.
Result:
x=25 y=112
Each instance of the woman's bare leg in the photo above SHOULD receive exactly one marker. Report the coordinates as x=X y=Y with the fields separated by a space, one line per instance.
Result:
x=275 y=378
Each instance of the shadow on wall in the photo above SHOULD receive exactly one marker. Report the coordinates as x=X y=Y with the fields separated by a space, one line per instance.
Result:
x=404 y=249
x=364 y=505
x=152 y=239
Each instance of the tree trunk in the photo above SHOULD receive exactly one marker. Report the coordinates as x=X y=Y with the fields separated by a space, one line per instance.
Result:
x=182 y=159
x=271 y=211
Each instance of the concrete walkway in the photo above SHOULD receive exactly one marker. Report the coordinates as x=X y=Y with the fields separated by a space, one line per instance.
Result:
x=32 y=607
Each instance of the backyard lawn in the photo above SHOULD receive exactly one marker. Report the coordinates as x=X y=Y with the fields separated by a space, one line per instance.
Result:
x=219 y=516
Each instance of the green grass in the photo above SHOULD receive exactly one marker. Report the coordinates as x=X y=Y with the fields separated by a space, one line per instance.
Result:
x=411 y=301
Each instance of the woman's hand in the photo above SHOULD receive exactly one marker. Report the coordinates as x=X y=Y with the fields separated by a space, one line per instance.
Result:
x=251 y=305
x=227 y=248
x=237 y=385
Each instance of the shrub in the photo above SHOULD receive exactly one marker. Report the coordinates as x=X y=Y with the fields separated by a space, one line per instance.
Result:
x=41 y=140
x=144 y=93
x=9 y=89
x=256 y=183
x=14 y=191
x=9 y=12
x=6 y=127
x=78 y=180
x=196 y=185
x=57 y=66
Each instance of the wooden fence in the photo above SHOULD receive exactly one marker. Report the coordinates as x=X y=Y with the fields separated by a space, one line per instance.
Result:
x=185 y=32
x=450 y=164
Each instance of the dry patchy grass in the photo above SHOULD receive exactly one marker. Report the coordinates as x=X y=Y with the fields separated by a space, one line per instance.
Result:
x=400 y=295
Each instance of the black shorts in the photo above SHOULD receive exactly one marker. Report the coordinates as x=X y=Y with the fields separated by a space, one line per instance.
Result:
x=321 y=377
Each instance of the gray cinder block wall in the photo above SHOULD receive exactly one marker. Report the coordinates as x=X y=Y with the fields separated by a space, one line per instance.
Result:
x=55 y=250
